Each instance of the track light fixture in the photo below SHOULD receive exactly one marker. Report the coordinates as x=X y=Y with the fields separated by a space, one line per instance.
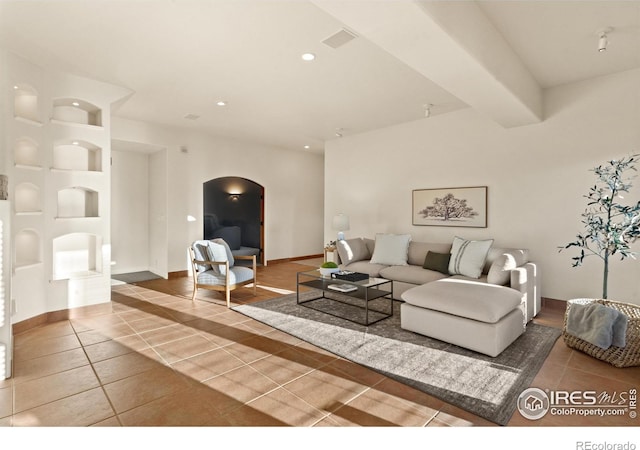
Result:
x=603 y=40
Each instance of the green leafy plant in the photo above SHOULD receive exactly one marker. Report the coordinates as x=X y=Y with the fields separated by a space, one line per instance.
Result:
x=329 y=265
x=610 y=227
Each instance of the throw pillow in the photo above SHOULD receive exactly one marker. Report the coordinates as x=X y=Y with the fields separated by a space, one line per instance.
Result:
x=500 y=271
x=391 y=249
x=227 y=249
x=437 y=261
x=352 y=250
x=467 y=257
x=217 y=253
x=200 y=254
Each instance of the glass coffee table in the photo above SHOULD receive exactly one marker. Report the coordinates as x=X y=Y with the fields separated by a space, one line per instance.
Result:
x=364 y=302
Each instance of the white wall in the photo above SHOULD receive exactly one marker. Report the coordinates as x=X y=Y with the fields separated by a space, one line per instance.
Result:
x=293 y=183
x=129 y=211
x=536 y=177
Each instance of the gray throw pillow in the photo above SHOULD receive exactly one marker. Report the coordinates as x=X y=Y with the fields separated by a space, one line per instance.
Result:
x=437 y=261
x=352 y=250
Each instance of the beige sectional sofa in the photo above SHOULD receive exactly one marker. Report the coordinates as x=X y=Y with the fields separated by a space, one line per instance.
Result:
x=482 y=302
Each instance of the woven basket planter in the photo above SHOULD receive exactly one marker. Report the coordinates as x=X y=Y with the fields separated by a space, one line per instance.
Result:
x=627 y=356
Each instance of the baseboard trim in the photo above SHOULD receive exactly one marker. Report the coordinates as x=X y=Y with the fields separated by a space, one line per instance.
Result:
x=178 y=274
x=57 y=316
x=553 y=303
x=294 y=259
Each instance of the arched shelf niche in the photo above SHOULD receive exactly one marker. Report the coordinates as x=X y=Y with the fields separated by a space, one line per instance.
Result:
x=25 y=103
x=27 y=198
x=26 y=152
x=77 y=202
x=76 y=111
x=28 y=249
x=77 y=155
x=77 y=255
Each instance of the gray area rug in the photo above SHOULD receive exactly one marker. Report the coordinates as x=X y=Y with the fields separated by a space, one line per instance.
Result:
x=135 y=277
x=485 y=386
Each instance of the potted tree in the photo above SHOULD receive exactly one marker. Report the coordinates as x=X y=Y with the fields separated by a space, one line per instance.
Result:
x=610 y=227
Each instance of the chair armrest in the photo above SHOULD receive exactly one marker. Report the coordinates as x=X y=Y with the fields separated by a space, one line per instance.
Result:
x=249 y=257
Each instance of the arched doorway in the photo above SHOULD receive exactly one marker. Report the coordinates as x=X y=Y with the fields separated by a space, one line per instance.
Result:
x=234 y=210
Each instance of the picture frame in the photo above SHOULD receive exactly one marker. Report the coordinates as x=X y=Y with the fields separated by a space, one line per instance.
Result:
x=450 y=207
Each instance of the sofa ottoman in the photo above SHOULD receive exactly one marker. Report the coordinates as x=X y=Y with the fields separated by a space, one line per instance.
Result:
x=482 y=317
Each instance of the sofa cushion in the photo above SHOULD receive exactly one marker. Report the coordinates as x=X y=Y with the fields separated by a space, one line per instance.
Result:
x=500 y=271
x=521 y=256
x=474 y=300
x=418 y=251
x=468 y=257
x=373 y=270
x=410 y=274
x=231 y=235
x=437 y=261
x=391 y=249
x=352 y=250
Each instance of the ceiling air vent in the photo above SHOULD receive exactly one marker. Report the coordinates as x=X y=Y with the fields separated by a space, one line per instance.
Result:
x=339 y=39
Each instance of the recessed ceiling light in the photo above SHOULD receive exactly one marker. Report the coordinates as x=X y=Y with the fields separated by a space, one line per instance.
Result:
x=221 y=103
x=307 y=147
x=75 y=104
x=16 y=87
x=76 y=143
x=308 y=56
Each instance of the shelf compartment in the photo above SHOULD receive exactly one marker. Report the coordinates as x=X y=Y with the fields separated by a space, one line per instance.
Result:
x=25 y=104
x=27 y=248
x=76 y=111
x=77 y=155
x=26 y=152
x=77 y=202
x=77 y=255
x=27 y=199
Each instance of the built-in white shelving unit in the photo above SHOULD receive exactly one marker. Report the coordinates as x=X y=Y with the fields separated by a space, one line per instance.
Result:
x=56 y=130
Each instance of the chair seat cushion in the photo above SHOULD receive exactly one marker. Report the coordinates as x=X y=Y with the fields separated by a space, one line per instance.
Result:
x=237 y=274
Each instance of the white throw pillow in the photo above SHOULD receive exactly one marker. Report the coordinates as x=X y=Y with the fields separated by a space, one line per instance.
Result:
x=500 y=271
x=467 y=257
x=217 y=253
x=391 y=249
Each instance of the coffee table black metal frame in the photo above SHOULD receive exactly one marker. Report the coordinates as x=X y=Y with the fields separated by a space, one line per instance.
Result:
x=366 y=290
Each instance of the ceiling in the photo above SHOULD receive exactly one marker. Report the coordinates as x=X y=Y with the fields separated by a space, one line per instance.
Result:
x=181 y=57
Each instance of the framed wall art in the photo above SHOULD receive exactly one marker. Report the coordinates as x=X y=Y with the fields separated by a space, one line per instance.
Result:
x=450 y=207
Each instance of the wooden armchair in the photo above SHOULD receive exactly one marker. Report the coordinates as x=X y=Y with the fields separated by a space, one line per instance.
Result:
x=214 y=268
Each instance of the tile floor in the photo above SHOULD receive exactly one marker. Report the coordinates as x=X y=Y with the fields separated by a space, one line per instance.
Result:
x=159 y=359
